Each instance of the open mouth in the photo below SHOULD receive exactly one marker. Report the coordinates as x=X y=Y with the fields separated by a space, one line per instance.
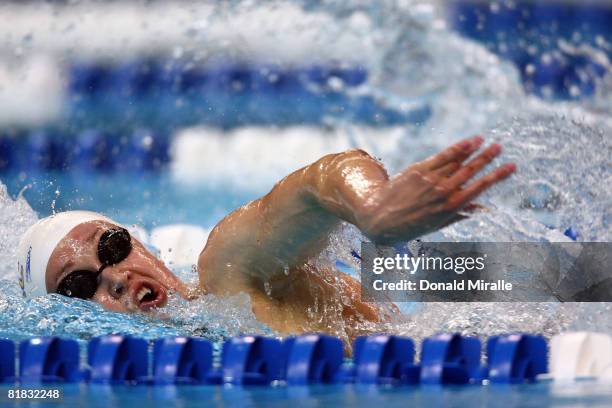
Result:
x=147 y=295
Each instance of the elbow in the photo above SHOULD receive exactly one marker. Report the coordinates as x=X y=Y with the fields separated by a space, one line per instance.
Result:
x=354 y=154
x=337 y=163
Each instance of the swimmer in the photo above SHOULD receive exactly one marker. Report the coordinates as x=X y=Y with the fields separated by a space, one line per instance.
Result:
x=265 y=248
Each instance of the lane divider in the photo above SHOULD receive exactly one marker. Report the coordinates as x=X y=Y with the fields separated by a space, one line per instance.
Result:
x=150 y=76
x=309 y=359
x=173 y=93
x=85 y=151
x=257 y=360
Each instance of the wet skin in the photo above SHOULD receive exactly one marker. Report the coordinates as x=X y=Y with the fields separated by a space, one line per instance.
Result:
x=252 y=249
x=121 y=286
x=265 y=248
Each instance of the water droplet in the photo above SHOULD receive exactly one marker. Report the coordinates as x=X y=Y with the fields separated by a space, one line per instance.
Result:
x=267 y=288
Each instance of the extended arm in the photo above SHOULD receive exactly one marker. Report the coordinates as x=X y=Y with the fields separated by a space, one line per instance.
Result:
x=281 y=230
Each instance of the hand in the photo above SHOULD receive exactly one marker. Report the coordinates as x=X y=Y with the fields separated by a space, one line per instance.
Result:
x=428 y=195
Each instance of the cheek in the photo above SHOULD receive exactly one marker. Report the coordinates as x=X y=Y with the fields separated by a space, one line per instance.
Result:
x=110 y=303
x=152 y=265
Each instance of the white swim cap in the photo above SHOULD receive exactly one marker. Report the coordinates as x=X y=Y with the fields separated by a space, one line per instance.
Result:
x=38 y=243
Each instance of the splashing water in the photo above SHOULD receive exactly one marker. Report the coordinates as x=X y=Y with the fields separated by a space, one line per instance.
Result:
x=563 y=152
x=207 y=316
x=15 y=218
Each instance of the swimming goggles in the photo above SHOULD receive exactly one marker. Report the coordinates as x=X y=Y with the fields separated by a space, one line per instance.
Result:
x=114 y=246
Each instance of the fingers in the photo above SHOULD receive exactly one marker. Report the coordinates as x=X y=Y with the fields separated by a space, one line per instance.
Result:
x=447 y=179
x=447 y=170
x=471 y=168
x=466 y=195
x=473 y=207
x=456 y=153
x=465 y=212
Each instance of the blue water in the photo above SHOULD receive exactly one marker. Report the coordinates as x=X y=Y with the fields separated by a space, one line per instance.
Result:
x=148 y=199
x=581 y=394
x=536 y=35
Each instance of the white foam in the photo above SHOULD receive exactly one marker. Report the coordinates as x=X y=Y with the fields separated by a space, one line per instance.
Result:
x=16 y=216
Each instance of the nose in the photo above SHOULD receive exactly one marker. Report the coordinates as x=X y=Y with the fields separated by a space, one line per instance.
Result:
x=116 y=281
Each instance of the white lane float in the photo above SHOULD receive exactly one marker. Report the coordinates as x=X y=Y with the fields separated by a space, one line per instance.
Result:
x=138 y=232
x=179 y=244
x=253 y=158
x=581 y=355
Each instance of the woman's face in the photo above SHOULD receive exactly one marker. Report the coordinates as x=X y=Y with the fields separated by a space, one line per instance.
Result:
x=140 y=282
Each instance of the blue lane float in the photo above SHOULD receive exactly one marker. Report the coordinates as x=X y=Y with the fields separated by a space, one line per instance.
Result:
x=117 y=359
x=571 y=233
x=90 y=150
x=45 y=150
x=181 y=360
x=143 y=149
x=516 y=358
x=7 y=361
x=49 y=359
x=148 y=75
x=296 y=361
x=8 y=151
x=384 y=360
x=136 y=78
x=313 y=359
x=251 y=360
x=93 y=151
x=450 y=359
x=88 y=77
x=166 y=92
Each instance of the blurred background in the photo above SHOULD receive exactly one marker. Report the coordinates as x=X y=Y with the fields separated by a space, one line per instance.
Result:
x=159 y=112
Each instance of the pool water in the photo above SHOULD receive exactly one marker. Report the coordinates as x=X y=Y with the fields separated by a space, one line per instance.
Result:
x=580 y=394
x=425 y=87
x=146 y=199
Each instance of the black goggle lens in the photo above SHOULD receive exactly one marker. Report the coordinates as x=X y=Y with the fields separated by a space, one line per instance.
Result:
x=114 y=246
x=79 y=284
